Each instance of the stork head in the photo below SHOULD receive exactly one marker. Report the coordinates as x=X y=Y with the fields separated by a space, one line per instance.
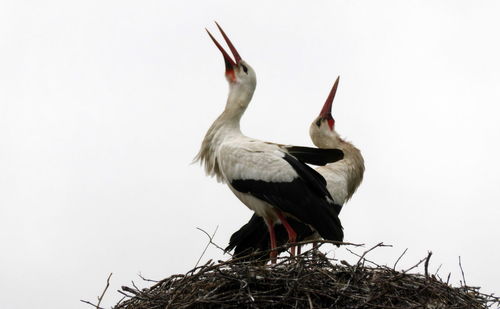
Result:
x=322 y=129
x=238 y=72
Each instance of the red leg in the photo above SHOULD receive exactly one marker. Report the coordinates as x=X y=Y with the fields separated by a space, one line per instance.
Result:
x=272 y=235
x=292 y=236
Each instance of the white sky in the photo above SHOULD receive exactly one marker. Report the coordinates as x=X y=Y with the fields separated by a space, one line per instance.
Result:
x=103 y=105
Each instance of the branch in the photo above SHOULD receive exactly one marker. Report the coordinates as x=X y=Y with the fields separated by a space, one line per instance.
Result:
x=461 y=269
x=146 y=279
x=427 y=264
x=380 y=244
x=399 y=258
x=362 y=256
x=99 y=298
x=210 y=238
x=414 y=266
x=89 y=303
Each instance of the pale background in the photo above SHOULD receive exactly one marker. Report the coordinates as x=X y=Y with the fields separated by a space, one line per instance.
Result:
x=103 y=105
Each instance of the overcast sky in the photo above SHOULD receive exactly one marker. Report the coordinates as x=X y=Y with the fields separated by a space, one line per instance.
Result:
x=103 y=105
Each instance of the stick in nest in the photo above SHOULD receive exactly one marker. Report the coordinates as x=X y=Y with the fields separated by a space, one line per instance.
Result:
x=99 y=298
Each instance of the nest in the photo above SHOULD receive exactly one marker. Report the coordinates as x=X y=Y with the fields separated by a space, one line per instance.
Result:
x=309 y=280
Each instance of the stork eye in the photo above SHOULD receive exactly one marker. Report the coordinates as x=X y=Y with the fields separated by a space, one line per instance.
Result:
x=318 y=123
x=245 y=69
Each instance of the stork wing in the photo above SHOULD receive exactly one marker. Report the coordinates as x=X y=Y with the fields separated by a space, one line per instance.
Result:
x=293 y=188
x=315 y=156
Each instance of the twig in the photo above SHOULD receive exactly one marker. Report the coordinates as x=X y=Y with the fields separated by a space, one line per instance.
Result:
x=99 y=298
x=208 y=244
x=119 y=302
x=427 y=264
x=211 y=239
x=89 y=303
x=105 y=289
x=146 y=279
x=322 y=242
x=414 y=266
x=362 y=256
x=130 y=290
x=437 y=270
x=399 y=258
x=364 y=259
x=461 y=269
x=135 y=286
x=380 y=244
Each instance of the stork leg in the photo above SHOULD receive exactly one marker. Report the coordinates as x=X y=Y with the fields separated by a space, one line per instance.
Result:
x=292 y=236
x=272 y=235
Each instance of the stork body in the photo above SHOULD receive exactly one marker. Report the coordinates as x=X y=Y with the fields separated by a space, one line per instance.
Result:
x=343 y=178
x=268 y=178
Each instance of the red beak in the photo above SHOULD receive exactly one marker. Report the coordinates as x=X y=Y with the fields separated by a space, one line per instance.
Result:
x=230 y=63
x=326 y=112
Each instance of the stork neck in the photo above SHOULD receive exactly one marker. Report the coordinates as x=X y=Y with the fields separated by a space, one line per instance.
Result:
x=240 y=95
x=351 y=154
x=352 y=167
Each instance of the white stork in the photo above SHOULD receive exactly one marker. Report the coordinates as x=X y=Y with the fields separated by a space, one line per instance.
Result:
x=343 y=178
x=270 y=179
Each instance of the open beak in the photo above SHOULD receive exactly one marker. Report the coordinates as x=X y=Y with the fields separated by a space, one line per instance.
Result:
x=326 y=112
x=230 y=63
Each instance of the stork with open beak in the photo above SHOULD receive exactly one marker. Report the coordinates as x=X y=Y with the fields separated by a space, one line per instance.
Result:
x=342 y=177
x=270 y=179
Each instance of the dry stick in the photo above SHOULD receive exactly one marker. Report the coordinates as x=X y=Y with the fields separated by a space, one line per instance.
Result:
x=437 y=270
x=310 y=301
x=89 y=303
x=211 y=239
x=146 y=279
x=135 y=286
x=461 y=269
x=414 y=266
x=125 y=294
x=321 y=242
x=105 y=289
x=427 y=264
x=362 y=256
x=99 y=298
x=208 y=244
x=399 y=258
x=120 y=301
x=130 y=290
x=380 y=244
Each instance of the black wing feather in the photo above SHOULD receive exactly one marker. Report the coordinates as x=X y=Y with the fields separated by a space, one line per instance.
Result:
x=305 y=198
x=315 y=156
